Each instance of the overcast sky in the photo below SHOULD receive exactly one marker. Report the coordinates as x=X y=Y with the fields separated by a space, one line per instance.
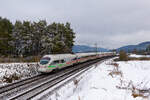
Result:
x=109 y=23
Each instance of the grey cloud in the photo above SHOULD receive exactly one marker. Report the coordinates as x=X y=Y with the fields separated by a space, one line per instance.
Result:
x=110 y=23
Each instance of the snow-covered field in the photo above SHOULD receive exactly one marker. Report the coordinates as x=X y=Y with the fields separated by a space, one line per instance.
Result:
x=122 y=80
x=10 y=72
x=110 y=80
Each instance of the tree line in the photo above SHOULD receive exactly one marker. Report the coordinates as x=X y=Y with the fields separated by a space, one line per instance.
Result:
x=35 y=38
x=145 y=51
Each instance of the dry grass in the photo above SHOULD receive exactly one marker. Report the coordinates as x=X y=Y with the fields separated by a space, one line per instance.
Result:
x=136 y=92
x=138 y=95
x=79 y=98
x=144 y=93
x=115 y=73
x=114 y=64
x=115 y=70
x=75 y=82
x=140 y=58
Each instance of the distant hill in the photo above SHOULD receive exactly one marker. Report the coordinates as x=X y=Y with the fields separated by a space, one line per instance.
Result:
x=85 y=48
x=141 y=46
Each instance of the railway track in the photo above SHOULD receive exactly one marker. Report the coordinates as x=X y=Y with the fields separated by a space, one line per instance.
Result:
x=19 y=83
x=30 y=88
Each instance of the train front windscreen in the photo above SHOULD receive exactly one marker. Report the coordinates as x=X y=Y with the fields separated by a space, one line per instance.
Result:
x=45 y=60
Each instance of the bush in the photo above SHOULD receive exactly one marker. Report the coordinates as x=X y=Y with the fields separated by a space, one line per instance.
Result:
x=123 y=56
x=11 y=78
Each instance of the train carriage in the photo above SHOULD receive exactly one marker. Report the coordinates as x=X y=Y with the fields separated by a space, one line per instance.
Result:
x=49 y=63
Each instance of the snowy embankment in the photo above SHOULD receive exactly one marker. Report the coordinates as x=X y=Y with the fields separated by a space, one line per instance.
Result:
x=10 y=72
x=109 y=81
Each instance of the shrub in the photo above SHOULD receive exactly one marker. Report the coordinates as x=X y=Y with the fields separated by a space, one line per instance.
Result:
x=123 y=56
x=11 y=78
x=115 y=70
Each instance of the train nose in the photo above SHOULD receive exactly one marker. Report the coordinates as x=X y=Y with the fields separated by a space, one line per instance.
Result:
x=43 y=66
x=41 y=69
x=44 y=69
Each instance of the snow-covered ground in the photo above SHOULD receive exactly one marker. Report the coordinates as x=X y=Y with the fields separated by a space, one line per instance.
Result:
x=138 y=56
x=110 y=80
x=10 y=72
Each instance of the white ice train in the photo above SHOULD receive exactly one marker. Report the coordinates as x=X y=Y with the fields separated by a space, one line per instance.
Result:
x=49 y=63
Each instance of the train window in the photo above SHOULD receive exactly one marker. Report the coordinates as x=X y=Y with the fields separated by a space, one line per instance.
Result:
x=55 y=62
x=62 y=61
x=44 y=60
x=74 y=58
x=67 y=59
x=78 y=57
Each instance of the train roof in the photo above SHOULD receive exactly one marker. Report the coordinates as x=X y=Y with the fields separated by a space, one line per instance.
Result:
x=60 y=56
x=63 y=56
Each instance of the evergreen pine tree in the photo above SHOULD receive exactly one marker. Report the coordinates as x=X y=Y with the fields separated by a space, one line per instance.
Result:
x=5 y=36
